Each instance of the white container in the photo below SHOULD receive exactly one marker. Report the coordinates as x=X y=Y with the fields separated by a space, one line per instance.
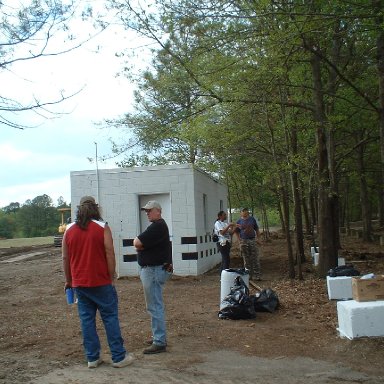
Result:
x=228 y=277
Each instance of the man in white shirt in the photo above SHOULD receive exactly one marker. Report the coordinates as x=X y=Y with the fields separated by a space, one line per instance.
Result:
x=223 y=230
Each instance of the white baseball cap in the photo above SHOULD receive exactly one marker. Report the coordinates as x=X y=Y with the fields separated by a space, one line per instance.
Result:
x=151 y=204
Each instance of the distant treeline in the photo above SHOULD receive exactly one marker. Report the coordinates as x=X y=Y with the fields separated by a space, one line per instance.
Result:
x=35 y=218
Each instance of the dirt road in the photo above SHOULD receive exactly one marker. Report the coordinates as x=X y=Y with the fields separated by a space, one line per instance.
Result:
x=40 y=339
x=224 y=367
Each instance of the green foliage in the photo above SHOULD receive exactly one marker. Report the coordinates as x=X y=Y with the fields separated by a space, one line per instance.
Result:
x=7 y=226
x=273 y=218
x=231 y=89
x=35 y=218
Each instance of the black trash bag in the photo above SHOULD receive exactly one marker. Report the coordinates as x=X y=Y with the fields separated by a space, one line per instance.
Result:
x=266 y=301
x=343 y=270
x=238 y=304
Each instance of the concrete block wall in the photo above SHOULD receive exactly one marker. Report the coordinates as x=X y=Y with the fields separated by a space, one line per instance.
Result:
x=216 y=193
x=118 y=192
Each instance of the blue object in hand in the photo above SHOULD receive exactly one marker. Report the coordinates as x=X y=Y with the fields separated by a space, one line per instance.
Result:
x=70 y=295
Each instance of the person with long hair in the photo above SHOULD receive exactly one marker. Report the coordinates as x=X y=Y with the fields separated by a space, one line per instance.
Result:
x=89 y=268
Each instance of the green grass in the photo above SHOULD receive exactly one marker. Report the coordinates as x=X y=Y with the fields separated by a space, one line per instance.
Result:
x=25 y=242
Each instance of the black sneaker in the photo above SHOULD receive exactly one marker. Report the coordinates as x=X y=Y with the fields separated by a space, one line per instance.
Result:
x=154 y=349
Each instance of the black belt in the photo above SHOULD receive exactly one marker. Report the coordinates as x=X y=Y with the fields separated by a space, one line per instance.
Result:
x=148 y=265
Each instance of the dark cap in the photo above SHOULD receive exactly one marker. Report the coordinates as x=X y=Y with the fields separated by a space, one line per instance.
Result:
x=87 y=200
x=151 y=204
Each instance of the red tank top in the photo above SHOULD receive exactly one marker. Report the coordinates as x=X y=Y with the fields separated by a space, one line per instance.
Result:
x=87 y=257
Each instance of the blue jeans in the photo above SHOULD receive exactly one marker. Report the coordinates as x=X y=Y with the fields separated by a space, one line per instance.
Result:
x=104 y=299
x=153 y=280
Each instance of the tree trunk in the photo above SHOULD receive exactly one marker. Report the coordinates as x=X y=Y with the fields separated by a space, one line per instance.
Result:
x=328 y=223
x=297 y=206
x=265 y=222
x=380 y=193
x=378 y=10
x=284 y=199
x=304 y=204
x=333 y=176
x=285 y=204
x=346 y=214
x=364 y=196
x=313 y=204
x=282 y=220
x=292 y=154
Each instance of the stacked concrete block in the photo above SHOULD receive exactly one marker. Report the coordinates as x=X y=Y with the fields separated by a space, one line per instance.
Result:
x=360 y=319
x=339 y=288
x=315 y=257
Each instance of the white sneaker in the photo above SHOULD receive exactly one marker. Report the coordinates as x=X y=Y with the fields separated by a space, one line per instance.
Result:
x=128 y=360
x=95 y=364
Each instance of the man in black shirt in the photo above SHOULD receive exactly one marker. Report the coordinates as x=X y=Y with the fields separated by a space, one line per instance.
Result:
x=155 y=267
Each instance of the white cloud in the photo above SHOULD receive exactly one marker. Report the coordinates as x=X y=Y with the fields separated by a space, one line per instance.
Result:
x=9 y=154
x=30 y=159
x=54 y=188
x=39 y=160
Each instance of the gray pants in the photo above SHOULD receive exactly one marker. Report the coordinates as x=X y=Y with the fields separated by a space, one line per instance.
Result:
x=250 y=254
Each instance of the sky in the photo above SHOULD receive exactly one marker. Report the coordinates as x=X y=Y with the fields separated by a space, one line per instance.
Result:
x=38 y=160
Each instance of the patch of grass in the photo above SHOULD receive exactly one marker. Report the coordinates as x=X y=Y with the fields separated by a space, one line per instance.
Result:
x=25 y=242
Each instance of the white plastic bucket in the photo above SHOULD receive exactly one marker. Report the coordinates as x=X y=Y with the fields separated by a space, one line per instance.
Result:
x=228 y=277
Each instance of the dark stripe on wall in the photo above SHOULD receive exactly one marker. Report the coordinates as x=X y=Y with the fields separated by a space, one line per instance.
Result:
x=189 y=256
x=127 y=242
x=184 y=240
x=129 y=258
x=189 y=240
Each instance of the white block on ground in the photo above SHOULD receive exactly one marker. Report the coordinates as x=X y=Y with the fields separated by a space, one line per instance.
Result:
x=359 y=319
x=314 y=250
x=340 y=261
x=316 y=259
x=339 y=287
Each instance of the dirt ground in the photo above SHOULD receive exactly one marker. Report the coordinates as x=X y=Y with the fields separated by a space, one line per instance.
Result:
x=40 y=340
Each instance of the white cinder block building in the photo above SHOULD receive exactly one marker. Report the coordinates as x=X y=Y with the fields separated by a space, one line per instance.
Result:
x=190 y=199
